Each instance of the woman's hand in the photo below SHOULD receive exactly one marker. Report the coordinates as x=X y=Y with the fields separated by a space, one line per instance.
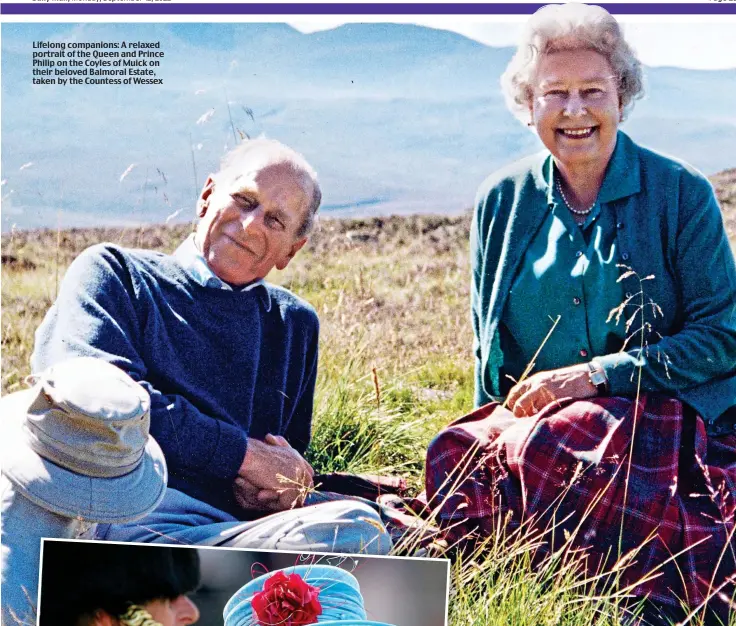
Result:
x=534 y=393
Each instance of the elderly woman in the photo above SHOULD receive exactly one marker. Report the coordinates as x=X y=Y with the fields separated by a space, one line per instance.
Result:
x=604 y=314
x=102 y=584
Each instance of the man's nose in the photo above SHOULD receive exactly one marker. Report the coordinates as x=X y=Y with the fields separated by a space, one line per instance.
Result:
x=575 y=104
x=253 y=219
x=186 y=611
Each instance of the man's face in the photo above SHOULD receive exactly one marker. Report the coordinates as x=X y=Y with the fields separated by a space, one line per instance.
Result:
x=251 y=218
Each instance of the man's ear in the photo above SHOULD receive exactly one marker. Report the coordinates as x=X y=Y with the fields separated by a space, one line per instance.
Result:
x=203 y=201
x=298 y=245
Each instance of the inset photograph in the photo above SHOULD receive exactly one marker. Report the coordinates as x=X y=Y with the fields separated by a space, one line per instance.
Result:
x=108 y=584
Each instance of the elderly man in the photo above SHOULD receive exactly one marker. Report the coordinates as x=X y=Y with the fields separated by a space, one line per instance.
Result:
x=228 y=360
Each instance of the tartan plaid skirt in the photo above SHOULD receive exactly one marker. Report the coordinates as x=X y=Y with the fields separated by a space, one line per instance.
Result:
x=564 y=473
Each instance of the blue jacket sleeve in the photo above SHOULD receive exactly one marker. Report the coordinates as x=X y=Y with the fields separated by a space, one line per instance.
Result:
x=97 y=313
x=704 y=349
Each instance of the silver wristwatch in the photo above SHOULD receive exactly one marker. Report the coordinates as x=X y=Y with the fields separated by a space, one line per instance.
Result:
x=597 y=376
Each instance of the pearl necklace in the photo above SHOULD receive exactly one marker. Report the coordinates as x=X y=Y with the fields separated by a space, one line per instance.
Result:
x=569 y=206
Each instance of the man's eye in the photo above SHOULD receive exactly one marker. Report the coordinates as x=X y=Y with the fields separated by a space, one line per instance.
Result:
x=244 y=202
x=275 y=222
x=593 y=91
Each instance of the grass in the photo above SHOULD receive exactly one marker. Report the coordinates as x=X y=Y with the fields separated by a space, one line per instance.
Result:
x=395 y=367
x=501 y=586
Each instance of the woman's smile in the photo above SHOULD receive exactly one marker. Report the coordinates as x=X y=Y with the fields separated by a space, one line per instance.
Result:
x=577 y=133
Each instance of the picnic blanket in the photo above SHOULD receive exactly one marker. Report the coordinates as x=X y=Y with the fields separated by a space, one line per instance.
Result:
x=572 y=473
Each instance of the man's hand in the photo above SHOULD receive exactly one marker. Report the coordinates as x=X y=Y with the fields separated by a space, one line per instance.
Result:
x=249 y=496
x=534 y=393
x=273 y=476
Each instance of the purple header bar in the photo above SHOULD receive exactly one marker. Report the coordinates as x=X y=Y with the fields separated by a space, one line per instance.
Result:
x=364 y=8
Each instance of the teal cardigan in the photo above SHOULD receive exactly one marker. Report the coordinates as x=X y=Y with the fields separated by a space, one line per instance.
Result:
x=669 y=226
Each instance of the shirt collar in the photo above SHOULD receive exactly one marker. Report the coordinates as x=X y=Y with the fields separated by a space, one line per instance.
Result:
x=194 y=264
x=622 y=176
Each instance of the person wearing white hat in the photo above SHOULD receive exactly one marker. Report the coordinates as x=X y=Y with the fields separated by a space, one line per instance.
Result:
x=297 y=596
x=76 y=451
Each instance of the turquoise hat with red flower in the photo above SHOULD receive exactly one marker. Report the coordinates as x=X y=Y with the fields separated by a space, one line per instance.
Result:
x=298 y=596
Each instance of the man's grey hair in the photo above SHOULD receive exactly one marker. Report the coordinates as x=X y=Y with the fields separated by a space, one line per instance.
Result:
x=571 y=26
x=270 y=152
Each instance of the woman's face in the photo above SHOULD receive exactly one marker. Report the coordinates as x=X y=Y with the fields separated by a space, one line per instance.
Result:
x=575 y=107
x=176 y=612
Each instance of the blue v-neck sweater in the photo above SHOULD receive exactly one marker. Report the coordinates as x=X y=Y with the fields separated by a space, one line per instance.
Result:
x=220 y=365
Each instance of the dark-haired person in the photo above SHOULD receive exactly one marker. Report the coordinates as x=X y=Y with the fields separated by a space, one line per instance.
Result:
x=593 y=225
x=103 y=584
x=229 y=361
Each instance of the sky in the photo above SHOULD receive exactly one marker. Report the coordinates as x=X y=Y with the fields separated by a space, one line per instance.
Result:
x=692 y=41
x=688 y=41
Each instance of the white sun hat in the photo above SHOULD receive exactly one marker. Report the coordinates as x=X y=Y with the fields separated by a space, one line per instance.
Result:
x=77 y=443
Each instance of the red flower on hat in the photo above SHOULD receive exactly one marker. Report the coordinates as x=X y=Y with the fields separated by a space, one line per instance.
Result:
x=286 y=601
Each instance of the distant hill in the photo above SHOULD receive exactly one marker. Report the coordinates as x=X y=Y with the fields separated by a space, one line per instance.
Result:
x=395 y=118
x=725 y=184
x=50 y=247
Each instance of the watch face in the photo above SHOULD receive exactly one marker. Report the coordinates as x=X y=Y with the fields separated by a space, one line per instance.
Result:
x=597 y=377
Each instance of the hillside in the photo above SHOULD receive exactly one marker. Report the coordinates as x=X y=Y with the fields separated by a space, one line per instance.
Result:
x=725 y=184
x=395 y=366
x=383 y=261
x=396 y=119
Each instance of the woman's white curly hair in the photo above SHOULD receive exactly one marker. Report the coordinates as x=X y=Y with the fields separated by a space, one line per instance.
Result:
x=571 y=26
